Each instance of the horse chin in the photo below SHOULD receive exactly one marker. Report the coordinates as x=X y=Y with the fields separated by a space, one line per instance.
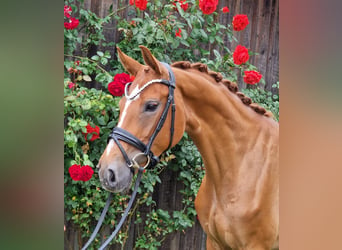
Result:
x=122 y=189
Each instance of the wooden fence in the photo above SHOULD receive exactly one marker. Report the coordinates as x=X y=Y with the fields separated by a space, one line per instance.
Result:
x=262 y=37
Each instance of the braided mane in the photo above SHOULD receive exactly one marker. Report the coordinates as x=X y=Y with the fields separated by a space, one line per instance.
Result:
x=232 y=86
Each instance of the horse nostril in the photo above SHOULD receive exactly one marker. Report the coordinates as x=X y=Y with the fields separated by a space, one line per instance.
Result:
x=111 y=176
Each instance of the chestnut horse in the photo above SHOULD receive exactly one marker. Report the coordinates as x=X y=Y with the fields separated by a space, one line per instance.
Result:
x=238 y=201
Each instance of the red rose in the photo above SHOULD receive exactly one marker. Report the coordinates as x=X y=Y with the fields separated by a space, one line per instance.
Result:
x=252 y=77
x=131 y=2
x=182 y=3
x=240 y=22
x=75 y=172
x=141 y=4
x=240 y=55
x=117 y=86
x=78 y=173
x=72 y=24
x=122 y=78
x=178 y=33
x=87 y=173
x=71 y=85
x=208 y=6
x=225 y=9
x=67 y=11
x=94 y=131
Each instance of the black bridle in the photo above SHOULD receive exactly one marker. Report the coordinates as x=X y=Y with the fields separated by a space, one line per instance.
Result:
x=118 y=134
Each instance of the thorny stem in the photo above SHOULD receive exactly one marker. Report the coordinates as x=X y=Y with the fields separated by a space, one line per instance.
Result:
x=118 y=10
x=90 y=60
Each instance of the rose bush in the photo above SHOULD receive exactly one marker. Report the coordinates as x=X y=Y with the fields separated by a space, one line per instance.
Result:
x=173 y=31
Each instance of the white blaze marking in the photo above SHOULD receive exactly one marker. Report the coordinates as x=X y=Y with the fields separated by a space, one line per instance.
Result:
x=110 y=146
x=128 y=102
x=124 y=112
x=122 y=118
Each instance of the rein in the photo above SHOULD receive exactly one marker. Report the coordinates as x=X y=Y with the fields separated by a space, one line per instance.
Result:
x=118 y=134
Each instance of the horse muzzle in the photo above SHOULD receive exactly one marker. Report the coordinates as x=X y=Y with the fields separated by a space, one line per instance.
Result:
x=116 y=177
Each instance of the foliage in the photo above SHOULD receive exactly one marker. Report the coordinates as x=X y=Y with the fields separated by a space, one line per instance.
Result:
x=83 y=67
x=265 y=98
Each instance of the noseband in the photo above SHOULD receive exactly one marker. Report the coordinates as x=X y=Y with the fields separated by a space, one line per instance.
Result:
x=118 y=134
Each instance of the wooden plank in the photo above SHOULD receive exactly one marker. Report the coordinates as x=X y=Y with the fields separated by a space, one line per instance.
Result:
x=272 y=72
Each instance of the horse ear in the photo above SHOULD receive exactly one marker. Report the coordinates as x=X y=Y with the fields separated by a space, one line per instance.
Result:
x=131 y=65
x=150 y=60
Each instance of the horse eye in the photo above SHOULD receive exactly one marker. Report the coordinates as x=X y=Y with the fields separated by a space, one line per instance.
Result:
x=151 y=106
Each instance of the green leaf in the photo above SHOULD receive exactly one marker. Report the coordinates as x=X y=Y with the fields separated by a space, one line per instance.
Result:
x=100 y=53
x=104 y=61
x=86 y=104
x=185 y=43
x=89 y=136
x=95 y=58
x=70 y=98
x=204 y=35
x=217 y=54
x=83 y=123
x=88 y=162
x=101 y=120
x=107 y=54
x=111 y=124
x=219 y=39
x=101 y=77
x=211 y=39
x=164 y=215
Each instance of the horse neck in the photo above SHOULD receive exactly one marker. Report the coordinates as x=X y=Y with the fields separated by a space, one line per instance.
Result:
x=221 y=126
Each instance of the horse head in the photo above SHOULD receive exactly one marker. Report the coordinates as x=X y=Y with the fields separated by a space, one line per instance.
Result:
x=135 y=142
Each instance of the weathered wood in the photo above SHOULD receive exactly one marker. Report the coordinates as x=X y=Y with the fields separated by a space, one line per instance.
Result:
x=261 y=36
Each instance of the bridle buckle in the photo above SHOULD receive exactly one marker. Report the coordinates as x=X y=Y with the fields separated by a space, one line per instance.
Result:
x=135 y=165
